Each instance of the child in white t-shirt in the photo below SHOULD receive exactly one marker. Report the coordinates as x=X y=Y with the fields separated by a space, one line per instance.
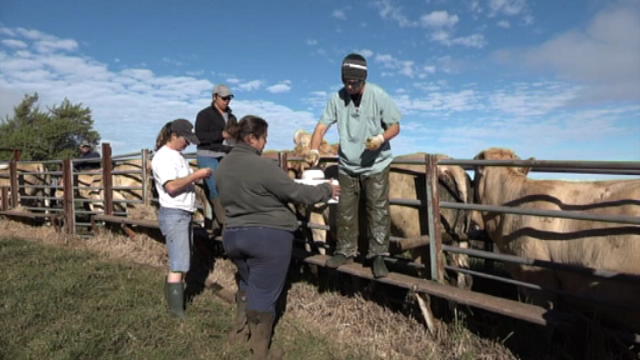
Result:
x=174 y=181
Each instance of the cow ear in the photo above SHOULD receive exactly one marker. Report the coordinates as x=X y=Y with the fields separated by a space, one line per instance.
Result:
x=298 y=135
x=479 y=170
x=524 y=170
x=457 y=181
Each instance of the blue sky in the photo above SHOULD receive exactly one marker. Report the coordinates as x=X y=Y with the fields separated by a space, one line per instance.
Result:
x=555 y=80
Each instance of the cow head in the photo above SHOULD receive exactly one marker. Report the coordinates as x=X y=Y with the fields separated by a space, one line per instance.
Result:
x=454 y=185
x=481 y=171
x=302 y=141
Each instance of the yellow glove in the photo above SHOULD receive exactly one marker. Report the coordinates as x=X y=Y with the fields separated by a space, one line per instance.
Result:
x=374 y=142
x=312 y=157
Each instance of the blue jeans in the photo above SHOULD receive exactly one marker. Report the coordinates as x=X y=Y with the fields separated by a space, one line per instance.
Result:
x=262 y=256
x=211 y=163
x=175 y=225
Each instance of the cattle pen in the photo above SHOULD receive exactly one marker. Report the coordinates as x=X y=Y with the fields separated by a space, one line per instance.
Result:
x=54 y=194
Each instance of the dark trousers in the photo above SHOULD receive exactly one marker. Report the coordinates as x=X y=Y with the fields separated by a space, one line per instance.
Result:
x=375 y=190
x=262 y=256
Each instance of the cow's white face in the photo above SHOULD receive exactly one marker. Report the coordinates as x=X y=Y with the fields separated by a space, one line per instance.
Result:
x=302 y=139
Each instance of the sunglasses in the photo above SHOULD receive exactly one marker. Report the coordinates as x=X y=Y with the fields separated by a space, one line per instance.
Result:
x=226 y=98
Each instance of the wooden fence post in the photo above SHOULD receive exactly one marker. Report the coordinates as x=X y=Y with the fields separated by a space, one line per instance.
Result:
x=107 y=181
x=13 y=181
x=146 y=199
x=282 y=161
x=433 y=214
x=68 y=203
x=5 y=198
x=17 y=154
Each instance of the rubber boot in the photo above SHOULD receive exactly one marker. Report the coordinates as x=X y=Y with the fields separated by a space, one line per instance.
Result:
x=261 y=328
x=174 y=294
x=239 y=333
x=379 y=268
x=338 y=260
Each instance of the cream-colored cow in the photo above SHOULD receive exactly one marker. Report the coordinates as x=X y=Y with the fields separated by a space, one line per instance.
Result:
x=31 y=180
x=591 y=244
x=408 y=182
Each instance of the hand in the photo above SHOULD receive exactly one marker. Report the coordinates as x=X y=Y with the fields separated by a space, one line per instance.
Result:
x=374 y=142
x=203 y=173
x=312 y=157
x=335 y=189
x=225 y=134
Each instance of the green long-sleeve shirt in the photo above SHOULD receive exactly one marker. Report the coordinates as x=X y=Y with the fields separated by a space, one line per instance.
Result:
x=254 y=191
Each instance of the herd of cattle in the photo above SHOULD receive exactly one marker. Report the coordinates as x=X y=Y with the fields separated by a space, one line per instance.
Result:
x=591 y=244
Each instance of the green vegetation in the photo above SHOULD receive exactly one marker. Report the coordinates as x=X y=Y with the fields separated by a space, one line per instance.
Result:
x=62 y=303
x=54 y=134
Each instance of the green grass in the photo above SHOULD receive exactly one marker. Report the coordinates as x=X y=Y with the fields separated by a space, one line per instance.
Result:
x=61 y=303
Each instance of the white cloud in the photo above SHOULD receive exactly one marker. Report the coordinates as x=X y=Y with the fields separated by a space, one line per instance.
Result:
x=317 y=99
x=251 y=85
x=129 y=106
x=48 y=46
x=282 y=87
x=605 y=57
x=365 y=52
x=445 y=38
x=311 y=42
x=445 y=102
x=339 y=14
x=507 y=7
x=388 y=11
x=439 y=19
x=16 y=44
x=532 y=99
x=503 y=24
x=402 y=67
x=475 y=40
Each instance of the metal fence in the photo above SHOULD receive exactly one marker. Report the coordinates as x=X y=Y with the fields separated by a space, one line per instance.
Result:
x=434 y=249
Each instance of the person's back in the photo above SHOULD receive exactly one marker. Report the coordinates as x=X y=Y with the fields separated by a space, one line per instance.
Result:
x=85 y=159
x=258 y=234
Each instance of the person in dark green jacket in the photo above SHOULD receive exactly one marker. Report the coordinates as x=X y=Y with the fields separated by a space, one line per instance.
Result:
x=258 y=235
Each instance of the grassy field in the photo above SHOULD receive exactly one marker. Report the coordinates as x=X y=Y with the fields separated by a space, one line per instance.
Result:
x=100 y=297
x=60 y=303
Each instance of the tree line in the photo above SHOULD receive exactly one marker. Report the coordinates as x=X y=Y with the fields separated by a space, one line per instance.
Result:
x=54 y=133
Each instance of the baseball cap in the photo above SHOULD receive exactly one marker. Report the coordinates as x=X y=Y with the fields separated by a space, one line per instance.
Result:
x=222 y=90
x=184 y=128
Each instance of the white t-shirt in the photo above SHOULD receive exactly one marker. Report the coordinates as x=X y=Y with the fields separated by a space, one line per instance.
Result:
x=167 y=165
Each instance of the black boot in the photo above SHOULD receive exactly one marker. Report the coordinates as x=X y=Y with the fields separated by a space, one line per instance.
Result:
x=338 y=260
x=261 y=327
x=239 y=333
x=378 y=267
x=174 y=294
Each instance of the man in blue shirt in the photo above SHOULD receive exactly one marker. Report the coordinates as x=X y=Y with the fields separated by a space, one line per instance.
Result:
x=367 y=118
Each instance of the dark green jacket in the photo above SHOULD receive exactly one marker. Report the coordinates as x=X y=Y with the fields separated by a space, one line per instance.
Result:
x=255 y=191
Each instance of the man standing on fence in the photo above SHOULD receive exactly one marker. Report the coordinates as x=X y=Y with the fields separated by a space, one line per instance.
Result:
x=367 y=119
x=212 y=123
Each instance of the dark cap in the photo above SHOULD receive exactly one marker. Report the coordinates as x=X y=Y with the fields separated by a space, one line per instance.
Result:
x=222 y=90
x=184 y=128
x=354 y=67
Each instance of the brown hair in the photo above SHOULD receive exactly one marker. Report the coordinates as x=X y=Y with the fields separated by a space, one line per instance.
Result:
x=164 y=136
x=248 y=125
